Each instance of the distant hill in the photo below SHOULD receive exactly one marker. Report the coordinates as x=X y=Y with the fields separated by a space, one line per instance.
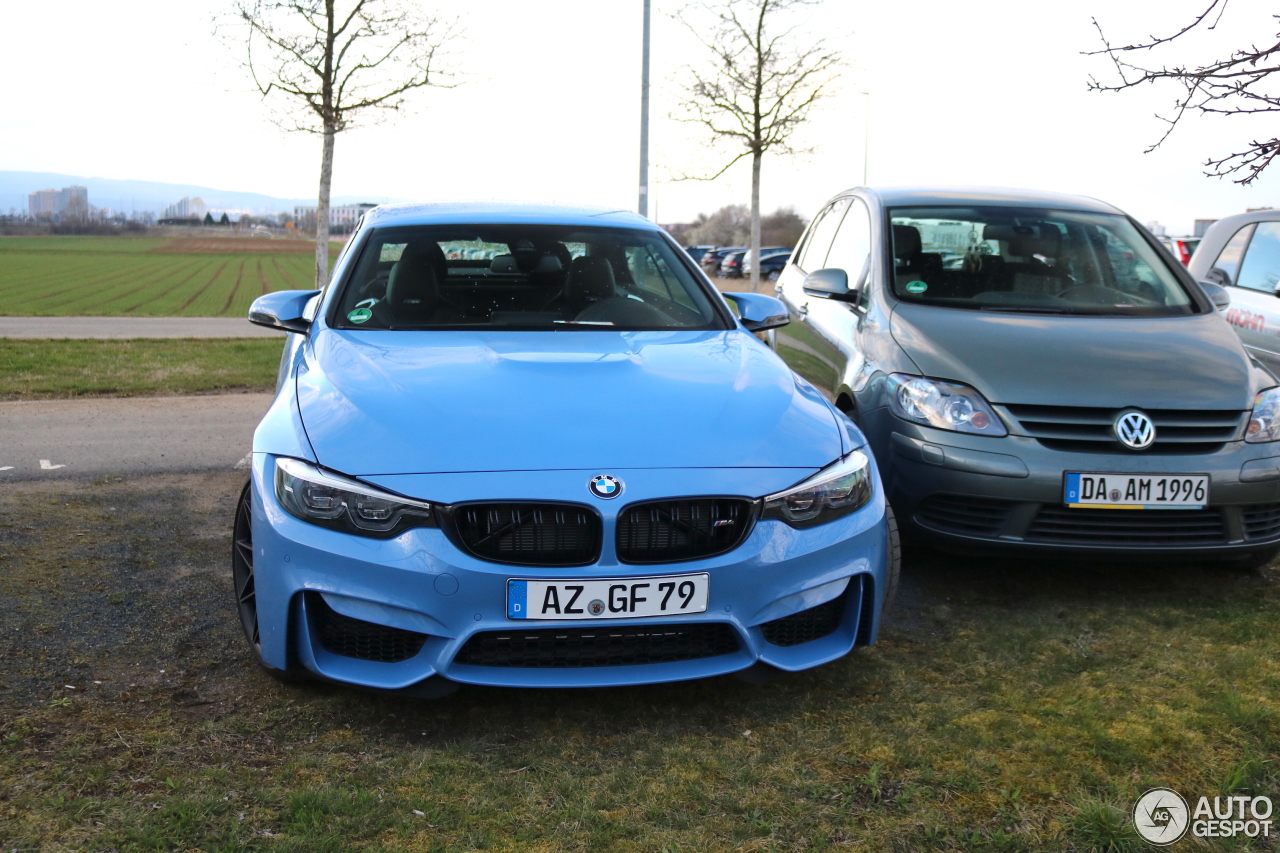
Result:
x=150 y=195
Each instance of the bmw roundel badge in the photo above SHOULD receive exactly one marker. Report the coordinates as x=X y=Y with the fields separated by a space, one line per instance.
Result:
x=605 y=487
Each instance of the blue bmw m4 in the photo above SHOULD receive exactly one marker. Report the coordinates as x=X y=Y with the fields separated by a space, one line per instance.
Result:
x=534 y=447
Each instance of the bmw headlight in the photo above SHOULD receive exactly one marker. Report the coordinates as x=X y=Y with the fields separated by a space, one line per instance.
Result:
x=1264 y=420
x=944 y=405
x=834 y=491
x=330 y=500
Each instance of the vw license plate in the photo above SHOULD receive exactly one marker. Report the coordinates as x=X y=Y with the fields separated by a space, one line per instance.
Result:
x=606 y=598
x=1137 y=491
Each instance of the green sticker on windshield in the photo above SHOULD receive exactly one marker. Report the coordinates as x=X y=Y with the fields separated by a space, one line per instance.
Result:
x=360 y=315
x=916 y=287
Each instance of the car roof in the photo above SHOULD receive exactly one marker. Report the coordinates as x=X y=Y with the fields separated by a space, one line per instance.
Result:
x=981 y=197
x=475 y=213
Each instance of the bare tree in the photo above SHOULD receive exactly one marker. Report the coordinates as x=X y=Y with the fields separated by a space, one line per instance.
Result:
x=323 y=67
x=760 y=84
x=1236 y=85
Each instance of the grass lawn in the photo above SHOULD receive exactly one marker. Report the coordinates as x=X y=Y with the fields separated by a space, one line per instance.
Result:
x=34 y=369
x=147 y=276
x=1008 y=706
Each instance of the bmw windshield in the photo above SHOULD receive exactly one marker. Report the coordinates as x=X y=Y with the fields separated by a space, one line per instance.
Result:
x=522 y=277
x=1006 y=259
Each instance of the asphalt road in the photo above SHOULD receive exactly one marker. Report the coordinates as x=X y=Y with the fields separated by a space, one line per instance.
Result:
x=130 y=435
x=132 y=327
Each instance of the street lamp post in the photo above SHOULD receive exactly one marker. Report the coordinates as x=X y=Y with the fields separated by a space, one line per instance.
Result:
x=644 y=119
x=866 y=136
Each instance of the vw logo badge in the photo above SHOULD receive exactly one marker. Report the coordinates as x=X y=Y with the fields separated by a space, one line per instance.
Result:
x=605 y=487
x=1135 y=430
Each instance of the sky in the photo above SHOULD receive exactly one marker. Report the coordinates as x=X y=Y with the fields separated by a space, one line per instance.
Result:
x=547 y=107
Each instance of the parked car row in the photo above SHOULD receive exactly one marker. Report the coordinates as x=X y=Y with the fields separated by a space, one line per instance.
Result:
x=736 y=261
x=534 y=447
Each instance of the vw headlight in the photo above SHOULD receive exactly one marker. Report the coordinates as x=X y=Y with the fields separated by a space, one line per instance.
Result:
x=944 y=405
x=330 y=500
x=834 y=491
x=1264 y=420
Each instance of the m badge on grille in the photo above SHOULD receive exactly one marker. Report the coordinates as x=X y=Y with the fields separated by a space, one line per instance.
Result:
x=1135 y=430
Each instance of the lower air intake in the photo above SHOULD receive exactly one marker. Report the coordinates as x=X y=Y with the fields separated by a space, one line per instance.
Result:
x=807 y=625
x=568 y=648
x=355 y=638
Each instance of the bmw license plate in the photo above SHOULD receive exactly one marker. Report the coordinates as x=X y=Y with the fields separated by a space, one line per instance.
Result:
x=1137 y=491
x=606 y=598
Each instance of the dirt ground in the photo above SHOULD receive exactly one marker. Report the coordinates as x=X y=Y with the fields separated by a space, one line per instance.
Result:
x=237 y=245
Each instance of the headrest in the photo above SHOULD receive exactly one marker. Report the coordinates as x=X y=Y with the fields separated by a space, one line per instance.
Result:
x=590 y=280
x=548 y=263
x=413 y=287
x=906 y=241
x=503 y=264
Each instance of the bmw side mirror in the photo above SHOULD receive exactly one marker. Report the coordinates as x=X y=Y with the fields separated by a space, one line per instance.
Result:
x=285 y=310
x=759 y=312
x=831 y=284
x=1217 y=294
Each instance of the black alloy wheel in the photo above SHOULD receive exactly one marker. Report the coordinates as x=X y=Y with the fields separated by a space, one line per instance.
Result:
x=242 y=578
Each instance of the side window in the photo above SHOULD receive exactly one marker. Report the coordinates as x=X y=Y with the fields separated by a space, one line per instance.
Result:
x=1260 y=269
x=814 y=254
x=1229 y=258
x=852 y=244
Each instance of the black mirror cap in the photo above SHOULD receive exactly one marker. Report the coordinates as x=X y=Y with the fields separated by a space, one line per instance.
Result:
x=271 y=321
x=285 y=310
x=1217 y=294
x=767 y=323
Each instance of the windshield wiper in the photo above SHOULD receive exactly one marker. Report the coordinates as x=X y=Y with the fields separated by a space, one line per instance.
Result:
x=1029 y=309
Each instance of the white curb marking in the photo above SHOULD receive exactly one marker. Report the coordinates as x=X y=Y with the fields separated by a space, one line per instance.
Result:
x=46 y=465
x=245 y=462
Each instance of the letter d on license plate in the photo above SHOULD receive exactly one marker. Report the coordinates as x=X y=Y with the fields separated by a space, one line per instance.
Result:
x=606 y=598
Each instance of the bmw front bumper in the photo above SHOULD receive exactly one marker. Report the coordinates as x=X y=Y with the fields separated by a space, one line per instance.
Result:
x=391 y=613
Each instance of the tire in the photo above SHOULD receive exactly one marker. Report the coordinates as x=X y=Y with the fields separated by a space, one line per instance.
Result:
x=774 y=275
x=893 y=567
x=245 y=587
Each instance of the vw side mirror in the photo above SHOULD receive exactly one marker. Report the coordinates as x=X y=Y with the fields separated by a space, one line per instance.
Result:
x=831 y=284
x=285 y=310
x=759 y=312
x=1217 y=294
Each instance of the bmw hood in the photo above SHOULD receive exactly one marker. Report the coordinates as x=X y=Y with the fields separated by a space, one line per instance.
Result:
x=375 y=402
x=1193 y=362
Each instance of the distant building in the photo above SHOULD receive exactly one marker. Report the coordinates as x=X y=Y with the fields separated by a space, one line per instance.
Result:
x=1202 y=226
x=187 y=208
x=58 y=204
x=342 y=218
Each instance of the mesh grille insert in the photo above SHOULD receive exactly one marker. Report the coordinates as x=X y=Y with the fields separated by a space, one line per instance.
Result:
x=1148 y=528
x=807 y=625
x=671 y=531
x=967 y=516
x=355 y=638
x=605 y=646
x=1261 y=522
x=529 y=534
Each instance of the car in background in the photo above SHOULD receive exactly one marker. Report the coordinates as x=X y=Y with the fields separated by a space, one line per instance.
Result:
x=771 y=266
x=1069 y=390
x=711 y=260
x=697 y=252
x=1242 y=254
x=737 y=264
x=1182 y=248
x=533 y=447
x=765 y=256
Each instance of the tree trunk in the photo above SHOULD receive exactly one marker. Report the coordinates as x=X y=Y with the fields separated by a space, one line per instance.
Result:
x=755 y=222
x=322 y=211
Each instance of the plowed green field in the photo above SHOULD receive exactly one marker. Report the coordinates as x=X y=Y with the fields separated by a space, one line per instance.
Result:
x=147 y=276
